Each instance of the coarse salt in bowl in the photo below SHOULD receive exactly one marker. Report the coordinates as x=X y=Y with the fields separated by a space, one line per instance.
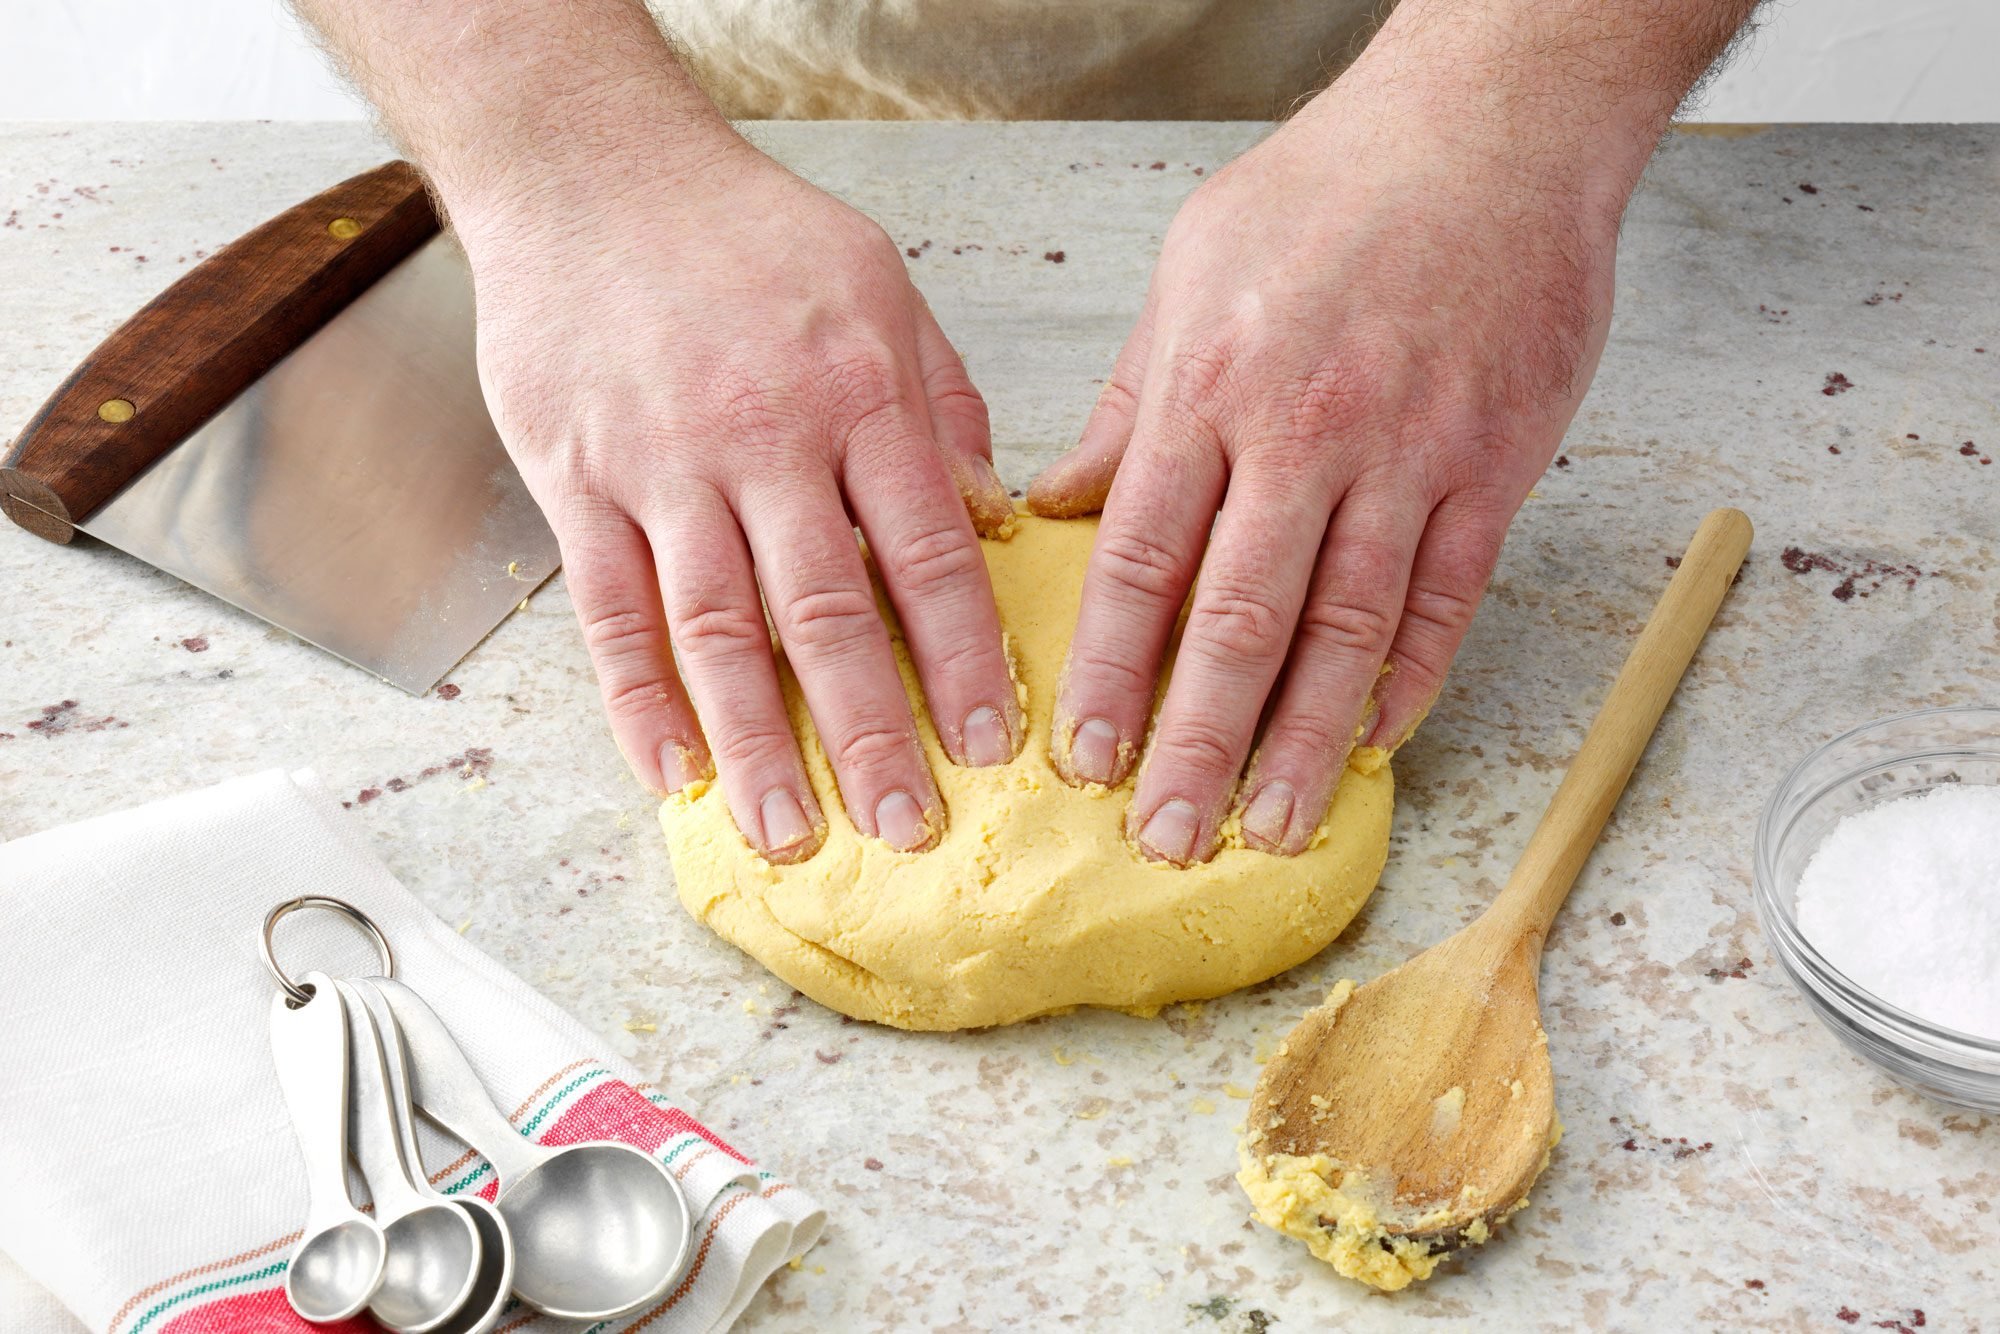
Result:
x=1891 y=760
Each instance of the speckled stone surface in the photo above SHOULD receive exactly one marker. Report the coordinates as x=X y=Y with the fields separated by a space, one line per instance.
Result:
x=1727 y=1164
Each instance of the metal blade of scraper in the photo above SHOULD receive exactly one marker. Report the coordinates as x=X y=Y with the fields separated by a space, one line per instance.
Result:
x=357 y=494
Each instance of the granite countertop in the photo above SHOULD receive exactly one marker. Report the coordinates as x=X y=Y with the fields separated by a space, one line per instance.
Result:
x=1808 y=327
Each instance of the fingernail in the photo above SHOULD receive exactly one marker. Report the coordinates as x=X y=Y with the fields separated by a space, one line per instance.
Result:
x=785 y=823
x=985 y=738
x=899 y=822
x=1093 y=751
x=989 y=481
x=1265 y=821
x=678 y=767
x=1170 y=833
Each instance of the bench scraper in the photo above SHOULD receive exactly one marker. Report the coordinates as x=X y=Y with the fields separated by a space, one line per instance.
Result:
x=296 y=427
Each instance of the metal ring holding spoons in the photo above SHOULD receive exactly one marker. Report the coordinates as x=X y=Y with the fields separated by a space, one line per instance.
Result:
x=299 y=995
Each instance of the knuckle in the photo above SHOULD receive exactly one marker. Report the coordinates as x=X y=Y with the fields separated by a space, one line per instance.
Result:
x=1200 y=747
x=1118 y=397
x=748 y=406
x=1241 y=621
x=708 y=628
x=636 y=697
x=1348 y=627
x=828 y=619
x=963 y=663
x=870 y=747
x=1449 y=607
x=588 y=523
x=861 y=387
x=1327 y=401
x=1197 y=375
x=1139 y=566
x=1306 y=741
x=933 y=558
x=754 y=747
x=952 y=394
x=1093 y=671
x=856 y=229
x=1476 y=468
x=1365 y=564
x=620 y=633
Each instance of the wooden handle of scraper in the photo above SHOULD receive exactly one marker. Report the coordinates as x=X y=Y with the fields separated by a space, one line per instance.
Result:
x=1597 y=776
x=205 y=340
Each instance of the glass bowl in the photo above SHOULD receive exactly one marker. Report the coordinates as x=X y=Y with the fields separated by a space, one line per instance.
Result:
x=1889 y=758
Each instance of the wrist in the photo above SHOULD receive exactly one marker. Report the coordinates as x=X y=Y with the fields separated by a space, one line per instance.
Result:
x=548 y=113
x=1559 y=99
x=559 y=164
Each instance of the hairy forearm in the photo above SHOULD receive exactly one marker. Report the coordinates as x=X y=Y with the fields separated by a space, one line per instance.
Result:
x=1573 y=88
x=501 y=102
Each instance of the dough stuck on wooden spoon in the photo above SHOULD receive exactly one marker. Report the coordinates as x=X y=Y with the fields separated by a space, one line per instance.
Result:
x=1403 y=1121
x=1407 y=1119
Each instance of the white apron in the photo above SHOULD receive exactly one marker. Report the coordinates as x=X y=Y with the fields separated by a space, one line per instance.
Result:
x=1015 y=59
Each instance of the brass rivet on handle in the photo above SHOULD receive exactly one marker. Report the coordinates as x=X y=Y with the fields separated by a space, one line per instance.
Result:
x=116 y=409
x=344 y=228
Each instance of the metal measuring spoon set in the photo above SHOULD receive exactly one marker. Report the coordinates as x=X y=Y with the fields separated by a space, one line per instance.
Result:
x=589 y=1231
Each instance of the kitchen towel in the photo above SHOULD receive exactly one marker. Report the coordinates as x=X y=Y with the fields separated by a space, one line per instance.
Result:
x=149 y=1176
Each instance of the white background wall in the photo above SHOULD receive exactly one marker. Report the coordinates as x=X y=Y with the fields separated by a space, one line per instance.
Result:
x=1867 y=60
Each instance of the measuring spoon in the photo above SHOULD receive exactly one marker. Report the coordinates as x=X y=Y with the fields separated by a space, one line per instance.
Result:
x=600 y=1228
x=433 y=1248
x=491 y=1289
x=338 y=1262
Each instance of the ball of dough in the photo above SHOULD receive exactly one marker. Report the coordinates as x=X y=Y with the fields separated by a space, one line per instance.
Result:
x=1033 y=901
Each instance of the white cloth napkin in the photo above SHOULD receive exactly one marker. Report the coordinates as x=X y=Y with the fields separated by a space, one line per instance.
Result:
x=149 y=1177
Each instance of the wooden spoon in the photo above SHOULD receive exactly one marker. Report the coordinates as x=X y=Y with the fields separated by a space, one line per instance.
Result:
x=1433 y=1080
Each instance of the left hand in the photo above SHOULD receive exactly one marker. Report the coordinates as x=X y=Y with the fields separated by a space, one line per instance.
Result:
x=1361 y=345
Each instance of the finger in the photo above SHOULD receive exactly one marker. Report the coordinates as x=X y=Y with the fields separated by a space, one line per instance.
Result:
x=1345 y=629
x=935 y=575
x=959 y=423
x=817 y=588
x=1079 y=481
x=609 y=569
x=1460 y=547
x=717 y=622
x=1140 y=568
x=1246 y=603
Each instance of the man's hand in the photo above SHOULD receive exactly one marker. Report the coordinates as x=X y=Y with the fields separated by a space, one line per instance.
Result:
x=709 y=373
x=1362 y=343
x=700 y=388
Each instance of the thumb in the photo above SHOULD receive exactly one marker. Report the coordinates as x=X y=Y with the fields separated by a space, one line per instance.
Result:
x=959 y=422
x=1078 y=482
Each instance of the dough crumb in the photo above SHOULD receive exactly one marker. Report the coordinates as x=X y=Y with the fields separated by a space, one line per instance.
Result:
x=1446 y=1109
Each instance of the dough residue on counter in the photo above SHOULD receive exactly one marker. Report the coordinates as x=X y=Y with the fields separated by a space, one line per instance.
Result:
x=1033 y=901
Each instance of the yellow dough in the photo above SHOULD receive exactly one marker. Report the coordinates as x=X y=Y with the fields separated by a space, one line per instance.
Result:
x=1033 y=901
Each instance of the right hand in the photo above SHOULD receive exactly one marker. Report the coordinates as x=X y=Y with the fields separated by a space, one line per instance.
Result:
x=707 y=384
